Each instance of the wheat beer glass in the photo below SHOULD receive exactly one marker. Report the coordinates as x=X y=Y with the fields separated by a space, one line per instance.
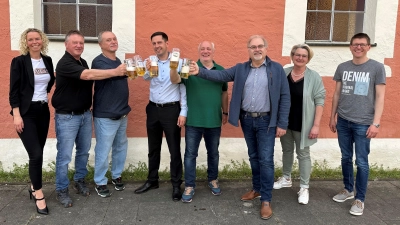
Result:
x=154 y=66
x=130 y=68
x=174 y=61
x=140 y=68
x=185 y=68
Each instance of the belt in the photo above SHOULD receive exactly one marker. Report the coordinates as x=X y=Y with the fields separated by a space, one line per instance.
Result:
x=76 y=112
x=39 y=102
x=118 y=118
x=167 y=104
x=255 y=114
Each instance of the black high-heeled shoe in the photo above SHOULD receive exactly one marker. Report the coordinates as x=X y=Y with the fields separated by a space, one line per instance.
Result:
x=44 y=211
x=31 y=194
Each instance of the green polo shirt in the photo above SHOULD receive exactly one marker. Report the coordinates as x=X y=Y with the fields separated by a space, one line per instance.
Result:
x=204 y=100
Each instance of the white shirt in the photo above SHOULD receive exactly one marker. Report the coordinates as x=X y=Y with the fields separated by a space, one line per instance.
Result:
x=41 y=78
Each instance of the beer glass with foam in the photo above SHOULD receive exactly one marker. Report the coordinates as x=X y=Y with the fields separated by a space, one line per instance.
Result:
x=140 y=67
x=185 y=68
x=130 y=68
x=174 y=61
x=154 y=66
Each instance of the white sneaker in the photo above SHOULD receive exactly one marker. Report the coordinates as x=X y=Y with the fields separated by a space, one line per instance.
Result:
x=304 y=195
x=282 y=182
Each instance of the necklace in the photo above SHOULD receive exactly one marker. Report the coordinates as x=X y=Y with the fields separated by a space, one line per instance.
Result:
x=298 y=75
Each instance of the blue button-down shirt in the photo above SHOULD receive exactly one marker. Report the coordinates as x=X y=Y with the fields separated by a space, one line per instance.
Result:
x=255 y=96
x=163 y=91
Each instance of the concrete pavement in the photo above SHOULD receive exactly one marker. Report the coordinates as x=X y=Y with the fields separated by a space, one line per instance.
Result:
x=382 y=206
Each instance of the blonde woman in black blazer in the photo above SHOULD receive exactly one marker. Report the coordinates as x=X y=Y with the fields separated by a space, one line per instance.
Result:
x=31 y=79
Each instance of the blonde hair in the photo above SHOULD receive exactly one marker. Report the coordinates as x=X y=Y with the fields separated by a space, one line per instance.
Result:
x=303 y=46
x=23 y=47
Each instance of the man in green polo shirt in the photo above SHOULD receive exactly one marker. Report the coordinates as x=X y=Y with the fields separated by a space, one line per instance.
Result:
x=207 y=111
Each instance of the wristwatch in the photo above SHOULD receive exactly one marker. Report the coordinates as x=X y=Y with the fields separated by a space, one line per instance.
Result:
x=377 y=125
x=225 y=113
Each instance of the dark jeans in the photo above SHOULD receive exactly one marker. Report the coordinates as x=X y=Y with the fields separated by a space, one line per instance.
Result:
x=260 y=140
x=352 y=139
x=193 y=137
x=164 y=120
x=34 y=135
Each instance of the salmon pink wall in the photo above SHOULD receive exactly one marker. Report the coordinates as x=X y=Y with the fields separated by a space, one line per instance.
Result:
x=229 y=24
x=7 y=128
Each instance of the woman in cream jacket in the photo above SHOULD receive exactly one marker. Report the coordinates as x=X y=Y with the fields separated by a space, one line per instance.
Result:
x=307 y=95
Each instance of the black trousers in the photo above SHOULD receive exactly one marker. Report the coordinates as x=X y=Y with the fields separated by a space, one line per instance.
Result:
x=33 y=136
x=159 y=120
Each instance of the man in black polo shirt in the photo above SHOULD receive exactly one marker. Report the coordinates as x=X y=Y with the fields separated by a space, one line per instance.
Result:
x=72 y=100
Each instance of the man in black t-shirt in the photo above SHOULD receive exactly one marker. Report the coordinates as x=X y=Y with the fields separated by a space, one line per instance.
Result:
x=72 y=100
x=110 y=110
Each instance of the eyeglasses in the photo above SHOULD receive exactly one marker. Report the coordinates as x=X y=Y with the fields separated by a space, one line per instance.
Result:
x=254 y=47
x=361 y=45
x=299 y=55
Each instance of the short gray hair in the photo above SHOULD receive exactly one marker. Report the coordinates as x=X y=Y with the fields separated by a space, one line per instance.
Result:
x=257 y=36
x=212 y=45
x=73 y=32
x=100 y=36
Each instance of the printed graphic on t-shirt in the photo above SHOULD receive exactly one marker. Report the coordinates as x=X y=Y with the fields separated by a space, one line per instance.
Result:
x=355 y=83
x=40 y=71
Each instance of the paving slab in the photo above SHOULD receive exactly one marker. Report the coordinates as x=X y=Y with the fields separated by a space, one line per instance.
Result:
x=156 y=206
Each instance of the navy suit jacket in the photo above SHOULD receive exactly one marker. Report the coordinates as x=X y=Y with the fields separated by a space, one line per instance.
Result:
x=22 y=81
x=278 y=88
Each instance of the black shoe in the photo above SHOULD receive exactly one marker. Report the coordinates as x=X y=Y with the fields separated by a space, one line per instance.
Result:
x=31 y=196
x=103 y=191
x=118 y=185
x=63 y=198
x=176 y=194
x=80 y=187
x=146 y=186
x=44 y=211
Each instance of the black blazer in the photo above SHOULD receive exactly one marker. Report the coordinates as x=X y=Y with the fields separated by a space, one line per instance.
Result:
x=22 y=81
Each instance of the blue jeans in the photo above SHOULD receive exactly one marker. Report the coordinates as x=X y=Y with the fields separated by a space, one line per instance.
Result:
x=109 y=134
x=193 y=137
x=260 y=140
x=350 y=133
x=70 y=130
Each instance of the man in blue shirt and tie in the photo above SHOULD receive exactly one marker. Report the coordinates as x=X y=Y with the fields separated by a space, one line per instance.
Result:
x=166 y=113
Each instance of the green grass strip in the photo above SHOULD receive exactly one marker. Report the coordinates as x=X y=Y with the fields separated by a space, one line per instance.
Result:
x=233 y=171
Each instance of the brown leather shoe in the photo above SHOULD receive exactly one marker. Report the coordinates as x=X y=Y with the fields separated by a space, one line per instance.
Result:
x=250 y=196
x=266 y=211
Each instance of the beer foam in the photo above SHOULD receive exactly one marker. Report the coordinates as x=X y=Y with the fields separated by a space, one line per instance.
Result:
x=175 y=56
x=185 y=69
x=153 y=63
x=131 y=68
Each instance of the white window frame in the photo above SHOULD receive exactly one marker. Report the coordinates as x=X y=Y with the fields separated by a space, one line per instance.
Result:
x=380 y=20
x=333 y=11
x=77 y=5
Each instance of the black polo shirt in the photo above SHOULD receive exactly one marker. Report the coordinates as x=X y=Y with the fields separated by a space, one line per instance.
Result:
x=71 y=93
